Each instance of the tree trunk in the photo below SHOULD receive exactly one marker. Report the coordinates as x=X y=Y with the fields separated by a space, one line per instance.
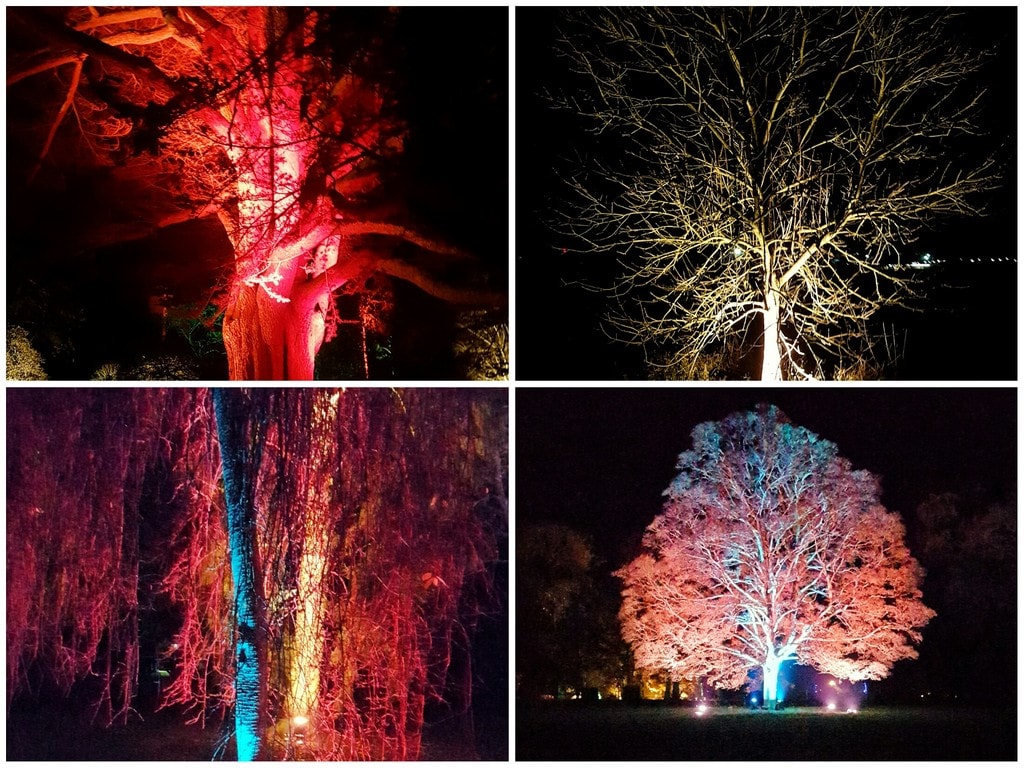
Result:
x=771 y=361
x=267 y=340
x=770 y=672
x=250 y=668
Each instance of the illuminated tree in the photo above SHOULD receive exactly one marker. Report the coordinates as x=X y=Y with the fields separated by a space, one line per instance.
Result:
x=276 y=121
x=76 y=465
x=771 y=548
x=24 y=363
x=326 y=584
x=758 y=172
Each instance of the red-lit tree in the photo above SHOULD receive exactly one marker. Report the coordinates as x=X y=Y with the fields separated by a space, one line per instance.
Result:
x=248 y=115
x=77 y=462
x=329 y=587
x=771 y=548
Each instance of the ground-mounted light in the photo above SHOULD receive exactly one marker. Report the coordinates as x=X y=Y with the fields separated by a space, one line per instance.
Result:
x=299 y=723
x=702 y=710
x=831 y=706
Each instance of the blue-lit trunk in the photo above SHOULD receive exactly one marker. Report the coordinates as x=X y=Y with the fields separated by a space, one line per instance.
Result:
x=250 y=678
x=770 y=672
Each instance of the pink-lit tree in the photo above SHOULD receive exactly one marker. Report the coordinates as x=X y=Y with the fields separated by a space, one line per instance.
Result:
x=247 y=115
x=327 y=555
x=771 y=548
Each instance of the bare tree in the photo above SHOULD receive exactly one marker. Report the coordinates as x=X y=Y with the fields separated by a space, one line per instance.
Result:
x=771 y=548
x=761 y=169
x=279 y=122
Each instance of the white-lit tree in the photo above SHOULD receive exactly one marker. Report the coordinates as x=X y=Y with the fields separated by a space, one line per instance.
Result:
x=756 y=172
x=771 y=548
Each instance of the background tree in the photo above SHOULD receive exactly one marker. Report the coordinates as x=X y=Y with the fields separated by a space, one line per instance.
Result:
x=758 y=173
x=968 y=542
x=771 y=547
x=567 y=636
x=281 y=123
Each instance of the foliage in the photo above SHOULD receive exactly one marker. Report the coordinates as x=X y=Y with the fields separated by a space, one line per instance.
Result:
x=481 y=346
x=107 y=372
x=771 y=547
x=201 y=327
x=164 y=368
x=24 y=363
x=757 y=172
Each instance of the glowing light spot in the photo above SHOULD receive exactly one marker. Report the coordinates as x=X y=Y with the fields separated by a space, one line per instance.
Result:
x=831 y=706
x=300 y=721
x=701 y=709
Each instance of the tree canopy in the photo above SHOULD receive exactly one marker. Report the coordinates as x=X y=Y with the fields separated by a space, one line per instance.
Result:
x=771 y=548
x=759 y=174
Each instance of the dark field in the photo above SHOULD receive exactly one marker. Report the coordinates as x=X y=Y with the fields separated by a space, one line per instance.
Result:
x=574 y=731
x=54 y=734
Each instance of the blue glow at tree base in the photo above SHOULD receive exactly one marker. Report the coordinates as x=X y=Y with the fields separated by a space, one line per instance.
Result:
x=770 y=670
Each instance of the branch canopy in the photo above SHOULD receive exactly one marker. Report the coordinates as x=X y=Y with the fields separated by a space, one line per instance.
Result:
x=771 y=547
x=757 y=172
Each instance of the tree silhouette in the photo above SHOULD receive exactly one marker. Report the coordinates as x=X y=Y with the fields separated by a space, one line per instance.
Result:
x=566 y=629
x=758 y=173
x=771 y=548
x=280 y=123
x=327 y=585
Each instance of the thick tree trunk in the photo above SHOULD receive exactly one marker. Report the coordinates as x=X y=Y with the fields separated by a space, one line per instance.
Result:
x=771 y=361
x=770 y=673
x=267 y=340
x=250 y=667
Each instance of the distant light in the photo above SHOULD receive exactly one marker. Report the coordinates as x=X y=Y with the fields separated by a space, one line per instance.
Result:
x=831 y=706
x=701 y=709
x=300 y=720
x=737 y=251
x=851 y=711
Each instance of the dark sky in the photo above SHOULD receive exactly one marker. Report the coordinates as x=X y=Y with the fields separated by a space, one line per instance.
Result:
x=598 y=459
x=965 y=302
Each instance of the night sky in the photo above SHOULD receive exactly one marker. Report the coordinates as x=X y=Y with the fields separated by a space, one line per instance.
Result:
x=966 y=301
x=598 y=459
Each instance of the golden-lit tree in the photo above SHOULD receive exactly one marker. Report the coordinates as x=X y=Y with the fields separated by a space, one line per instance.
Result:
x=758 y=172
x=247 y=114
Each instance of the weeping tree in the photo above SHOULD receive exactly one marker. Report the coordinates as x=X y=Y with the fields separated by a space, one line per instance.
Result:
x=280 y=123
x=326 y=585
x=759 y=171
x=76 y=464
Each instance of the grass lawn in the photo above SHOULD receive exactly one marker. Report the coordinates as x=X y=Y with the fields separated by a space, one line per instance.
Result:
x=617 y=731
